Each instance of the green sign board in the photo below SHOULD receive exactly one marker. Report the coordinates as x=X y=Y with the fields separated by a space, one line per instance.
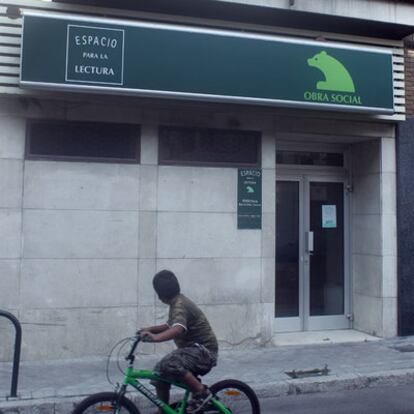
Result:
x=249 y=195
x=63 y=52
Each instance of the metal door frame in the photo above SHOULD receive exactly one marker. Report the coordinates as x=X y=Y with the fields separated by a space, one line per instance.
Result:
x=312 y=323
x=304 y=175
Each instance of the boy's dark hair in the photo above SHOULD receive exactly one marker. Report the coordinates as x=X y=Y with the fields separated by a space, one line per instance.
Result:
x=166 y=284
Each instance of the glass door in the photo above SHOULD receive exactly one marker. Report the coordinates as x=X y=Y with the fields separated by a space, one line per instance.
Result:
x=289 y=280
x=324 y=257
x=311 y=254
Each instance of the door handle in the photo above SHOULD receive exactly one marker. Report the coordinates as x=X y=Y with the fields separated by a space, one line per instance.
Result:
x=309 y=242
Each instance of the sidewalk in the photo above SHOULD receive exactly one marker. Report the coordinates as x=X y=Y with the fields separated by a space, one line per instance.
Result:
x=53 y=387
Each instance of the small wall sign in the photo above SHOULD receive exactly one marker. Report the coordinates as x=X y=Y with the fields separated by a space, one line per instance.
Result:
x=249 y=205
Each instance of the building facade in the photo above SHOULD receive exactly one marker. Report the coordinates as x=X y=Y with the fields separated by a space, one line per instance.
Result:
x=276 y=212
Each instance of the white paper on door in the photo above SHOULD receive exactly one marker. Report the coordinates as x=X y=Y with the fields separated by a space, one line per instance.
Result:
x=329 y=216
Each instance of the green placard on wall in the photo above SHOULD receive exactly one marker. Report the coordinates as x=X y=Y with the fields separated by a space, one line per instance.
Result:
x=63 y=52
x=249 y=198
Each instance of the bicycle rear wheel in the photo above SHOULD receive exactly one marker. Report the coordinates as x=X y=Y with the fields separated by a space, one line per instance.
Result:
x=237 y=396
x=106 y=402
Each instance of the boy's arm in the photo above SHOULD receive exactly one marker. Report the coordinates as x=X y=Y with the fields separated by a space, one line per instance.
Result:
x=155 y=329
x=166 y=335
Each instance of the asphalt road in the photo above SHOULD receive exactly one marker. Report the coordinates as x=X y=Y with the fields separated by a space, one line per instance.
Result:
x=390 y=400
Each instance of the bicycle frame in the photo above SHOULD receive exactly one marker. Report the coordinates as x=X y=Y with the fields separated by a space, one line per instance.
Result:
x=132 y=378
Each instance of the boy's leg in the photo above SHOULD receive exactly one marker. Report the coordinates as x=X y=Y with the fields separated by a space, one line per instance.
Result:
x=194 y=384
x=189 y=379
x=202 y=362
x=163 y=393
x=180 y=365
x=162 y=388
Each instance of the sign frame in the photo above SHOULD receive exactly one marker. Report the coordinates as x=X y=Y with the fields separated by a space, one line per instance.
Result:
x=176 y=94
x=89 y=81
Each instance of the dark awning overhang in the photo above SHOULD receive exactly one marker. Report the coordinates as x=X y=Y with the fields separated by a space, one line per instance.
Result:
x=213 y=9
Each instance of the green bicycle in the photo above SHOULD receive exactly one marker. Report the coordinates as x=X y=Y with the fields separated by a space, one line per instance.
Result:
x=229 y=396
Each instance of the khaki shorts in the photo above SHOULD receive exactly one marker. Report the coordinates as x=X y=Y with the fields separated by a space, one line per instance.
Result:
x=196 y=359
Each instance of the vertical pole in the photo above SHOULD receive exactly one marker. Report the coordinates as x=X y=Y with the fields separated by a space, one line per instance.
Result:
x=17 y=348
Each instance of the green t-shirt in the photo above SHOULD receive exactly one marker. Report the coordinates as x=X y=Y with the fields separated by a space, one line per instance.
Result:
x=185 y=313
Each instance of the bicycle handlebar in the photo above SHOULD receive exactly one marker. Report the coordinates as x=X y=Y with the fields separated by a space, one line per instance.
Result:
x=137 y=339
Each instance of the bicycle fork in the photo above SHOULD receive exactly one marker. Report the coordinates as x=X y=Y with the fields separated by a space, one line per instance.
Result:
x=120 y=392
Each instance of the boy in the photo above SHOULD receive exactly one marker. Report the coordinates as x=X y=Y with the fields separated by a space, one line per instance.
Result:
x=195 y=340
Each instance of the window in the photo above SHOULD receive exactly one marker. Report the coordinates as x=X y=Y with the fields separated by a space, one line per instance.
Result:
x=328 y=159
x=83 y=141
x=206 y=146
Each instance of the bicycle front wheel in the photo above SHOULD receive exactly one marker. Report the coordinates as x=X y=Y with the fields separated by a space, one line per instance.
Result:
x=237 y=396
x=106 y=402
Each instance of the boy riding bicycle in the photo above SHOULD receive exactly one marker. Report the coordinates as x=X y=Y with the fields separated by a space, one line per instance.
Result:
x=197 y=345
